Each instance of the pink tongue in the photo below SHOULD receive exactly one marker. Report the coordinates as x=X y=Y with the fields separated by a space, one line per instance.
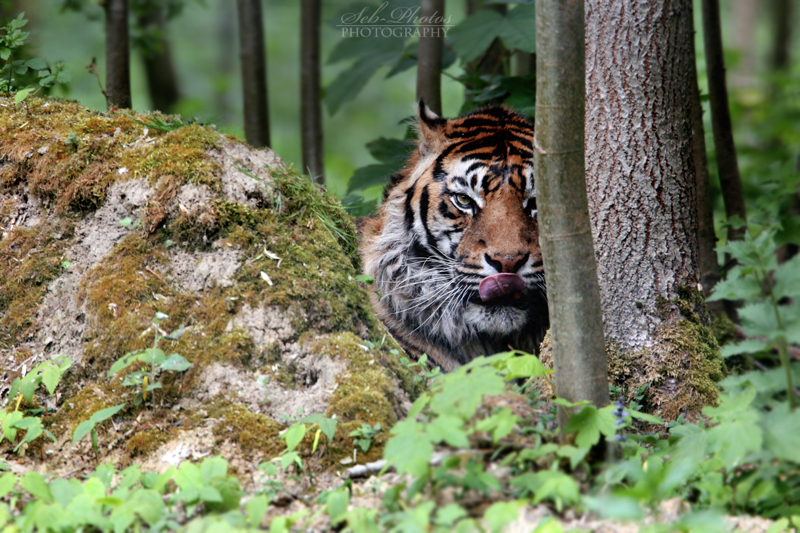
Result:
x=498 y=285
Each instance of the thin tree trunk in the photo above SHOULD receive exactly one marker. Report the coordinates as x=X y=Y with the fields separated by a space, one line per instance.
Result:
x=429 y=55
x=573 y=294
x=781 y=34
x=639 y=154
x=730 y=180
x=310 y=101
x=118 y=75
x=254 y=72
x=162 y=80
x=706 y=236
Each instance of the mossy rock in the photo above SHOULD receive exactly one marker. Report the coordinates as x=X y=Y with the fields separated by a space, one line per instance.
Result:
x=108 y=221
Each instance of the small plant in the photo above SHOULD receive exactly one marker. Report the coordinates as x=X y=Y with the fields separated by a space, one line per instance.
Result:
x=365 y=435
x=14 y=38
x=48 y=374
x=155 y=361
x=88 y=426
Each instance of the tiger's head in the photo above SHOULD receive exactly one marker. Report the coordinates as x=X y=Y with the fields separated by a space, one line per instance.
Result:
x=454 y=249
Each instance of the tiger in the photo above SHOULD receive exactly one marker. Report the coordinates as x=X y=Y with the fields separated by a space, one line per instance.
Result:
x=453 y=250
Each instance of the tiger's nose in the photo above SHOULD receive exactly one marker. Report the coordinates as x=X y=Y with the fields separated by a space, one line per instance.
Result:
x=506 y=263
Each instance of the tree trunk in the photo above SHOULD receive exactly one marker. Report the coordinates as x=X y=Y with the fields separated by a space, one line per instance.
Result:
x=118 y=75
x=254 y=72
x=781 y=34
x=310 y=97
x=429 y=55
x=225 y=50
x=642 y=200
x=573 y=294
x=706 y=236
x=729 y=178
x=159 y=69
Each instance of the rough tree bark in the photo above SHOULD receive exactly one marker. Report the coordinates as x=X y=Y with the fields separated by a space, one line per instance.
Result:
x=730 y=180
x=118 y=75
x=310 y=101
x=429 y=54
x=254 y=72
x=162 y=80
x=573 y=295
x=639 y=154
x=642 y=200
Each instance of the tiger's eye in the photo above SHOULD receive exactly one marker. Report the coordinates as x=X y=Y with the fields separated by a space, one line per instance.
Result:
x=463 y=200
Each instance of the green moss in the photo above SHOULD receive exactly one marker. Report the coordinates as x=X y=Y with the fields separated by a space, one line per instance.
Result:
x=144 y=443
x=31 y=258
x=254 y=433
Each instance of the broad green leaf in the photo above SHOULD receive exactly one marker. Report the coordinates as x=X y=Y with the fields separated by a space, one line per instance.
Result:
x=34 y=483
x=148 y=504
x=50 y=377
x=449 y=429
x=787 y=279
x=644 y=417
x=575 y=455
x=525 y=366
x=82 y=430
x=212 y=468
x=256 y=508
x=475 y=34
x=500 y=424
x=27 y=387
x=105 y=414
x=328 y=427
x=758 y=320
x=616 y=507
x=152 y=356
x=123 y=362
x=23 y=94
x=460 y=393
x=410 y=449
x=735 y=288
x=7 y=482
x=230 y=491
x=336 y=506
x=394 y=151
x=449 y=514
x=519 y=30
x=738 y=432
x=745 y=346
x=176 y=362
x=590 y=423
x=36 y=63
x=557 y=487
x=209 y=494
x=782 y=432
x=8 y=421
x=500 y=514
x=27 y=422
x=370 y=176
x=294 y=435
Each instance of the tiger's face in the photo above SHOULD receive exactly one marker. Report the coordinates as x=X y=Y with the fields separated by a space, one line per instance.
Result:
x=454 y=250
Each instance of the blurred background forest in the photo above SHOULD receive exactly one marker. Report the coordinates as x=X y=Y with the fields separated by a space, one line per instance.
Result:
x=761 y=55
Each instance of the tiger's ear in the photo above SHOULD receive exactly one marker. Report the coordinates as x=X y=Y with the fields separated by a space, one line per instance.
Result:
x=430 y=130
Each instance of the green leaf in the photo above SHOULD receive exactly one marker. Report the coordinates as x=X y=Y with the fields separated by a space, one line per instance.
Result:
x=745 y=346
x=256 y=508
x=153 y=356
x=123 y=362
x=616 y=507
x=105 y=414
x=395 y=151
x=475 y=34
x=294 y=435
x=735 y=288
x=461 y=392
x=644 y=417
x=758 y=320
x=50 y=377
x=176 y=362
x=349 y=84
x=36 y=63
x=410 y=448
x=336 y=506
x=82 y=430
x=449 y=429
x=449 y=514
x=148 y=504
x=7 y=483
x=34 y=483
x=500 y=514
x=519 y=30
x=328 y=427
x=737 y=434
x=782 y=432
x=370 y=176
x=525 y=366
x=27 y=387
x=22 y=94
x=590 y=423
x=787 y=279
